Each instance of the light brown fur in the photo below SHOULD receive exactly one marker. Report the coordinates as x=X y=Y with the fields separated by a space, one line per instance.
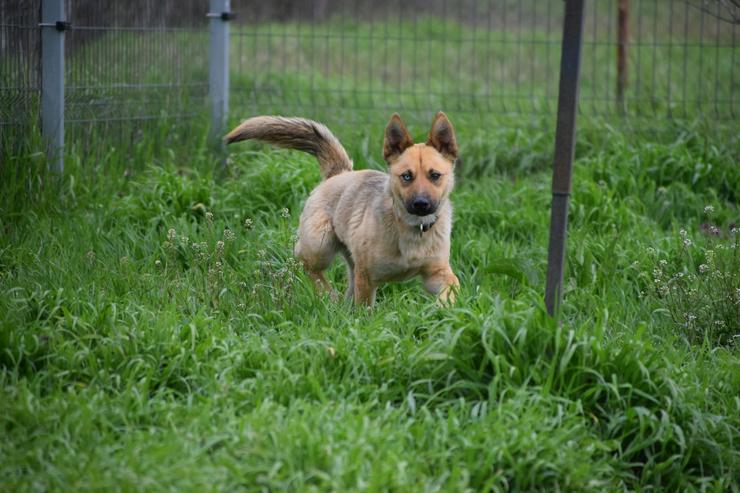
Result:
x=365 y=215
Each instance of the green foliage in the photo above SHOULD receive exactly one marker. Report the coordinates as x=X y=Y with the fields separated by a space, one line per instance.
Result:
x=700 y=286
x=157 y=334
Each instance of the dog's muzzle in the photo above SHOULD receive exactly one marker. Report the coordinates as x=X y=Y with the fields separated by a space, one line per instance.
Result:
x=421 y=206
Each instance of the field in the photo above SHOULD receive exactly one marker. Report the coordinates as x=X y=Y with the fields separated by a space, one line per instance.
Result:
x=156 y=334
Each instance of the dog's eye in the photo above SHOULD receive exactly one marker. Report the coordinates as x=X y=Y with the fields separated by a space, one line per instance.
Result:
x=434 y=175
x=407 y=176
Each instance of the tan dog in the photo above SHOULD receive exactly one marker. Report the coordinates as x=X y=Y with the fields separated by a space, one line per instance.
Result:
x=387 y=226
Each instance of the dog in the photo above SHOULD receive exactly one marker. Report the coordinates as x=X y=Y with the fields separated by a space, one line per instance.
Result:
x=388 y=226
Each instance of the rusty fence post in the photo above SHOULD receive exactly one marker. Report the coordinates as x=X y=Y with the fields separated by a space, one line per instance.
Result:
x=623 y=15
x=565 y=136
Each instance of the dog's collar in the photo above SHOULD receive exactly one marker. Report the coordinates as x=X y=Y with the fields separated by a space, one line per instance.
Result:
x=423 y=228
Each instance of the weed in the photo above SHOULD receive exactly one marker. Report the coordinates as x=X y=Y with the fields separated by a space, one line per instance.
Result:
x=700 y=286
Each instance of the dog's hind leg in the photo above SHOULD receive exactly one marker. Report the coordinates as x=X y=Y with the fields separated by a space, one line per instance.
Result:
x=322 y=284
x=316 y=247
x=350 y=293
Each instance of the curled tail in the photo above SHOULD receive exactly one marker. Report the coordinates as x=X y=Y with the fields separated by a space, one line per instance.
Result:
x=296 y=133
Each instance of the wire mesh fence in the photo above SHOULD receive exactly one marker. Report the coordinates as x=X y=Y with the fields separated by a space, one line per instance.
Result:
x=19 y=61
x=146 y=60
x=125 y=63
x=495 y=56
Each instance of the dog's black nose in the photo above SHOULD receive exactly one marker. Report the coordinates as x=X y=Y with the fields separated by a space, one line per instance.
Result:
x=421 y=206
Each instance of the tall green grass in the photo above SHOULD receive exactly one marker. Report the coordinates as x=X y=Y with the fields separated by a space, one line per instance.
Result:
x=156 y=333
x=134 y=360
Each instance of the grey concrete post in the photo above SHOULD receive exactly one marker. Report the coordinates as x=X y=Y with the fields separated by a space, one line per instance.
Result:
x=218 y=72
x=53 y=25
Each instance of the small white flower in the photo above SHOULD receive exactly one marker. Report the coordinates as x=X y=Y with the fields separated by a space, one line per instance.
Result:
x=703 y=268
x=228 y=235
x=158 y=264
x=171 y=234
x=285 y=213
x=209 y=217
x=248 y=223
x=708 y=210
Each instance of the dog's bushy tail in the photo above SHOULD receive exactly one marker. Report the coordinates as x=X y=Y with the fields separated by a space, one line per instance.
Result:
x=296 y=133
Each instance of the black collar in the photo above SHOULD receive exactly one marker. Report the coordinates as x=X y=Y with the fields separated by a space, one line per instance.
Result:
x=423 y=228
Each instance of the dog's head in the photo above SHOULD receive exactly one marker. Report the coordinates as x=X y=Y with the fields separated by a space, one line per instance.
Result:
x=421 y=175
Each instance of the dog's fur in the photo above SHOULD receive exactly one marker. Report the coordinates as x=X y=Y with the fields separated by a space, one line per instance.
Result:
x=386 y=226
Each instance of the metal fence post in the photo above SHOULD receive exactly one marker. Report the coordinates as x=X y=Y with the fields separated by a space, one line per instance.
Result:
x=623 y=12
x=53 y=24
x=565 y=136
x=220 y=13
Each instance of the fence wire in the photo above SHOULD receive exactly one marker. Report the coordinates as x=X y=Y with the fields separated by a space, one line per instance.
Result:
x=147 y=60
x=135 y=60
x=20 y=51
x=493 y=56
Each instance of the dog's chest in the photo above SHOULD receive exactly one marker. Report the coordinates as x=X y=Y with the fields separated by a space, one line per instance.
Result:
x=407 y=259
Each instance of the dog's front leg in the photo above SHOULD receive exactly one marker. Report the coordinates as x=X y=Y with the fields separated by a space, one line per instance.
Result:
x=364 y=289
x=440 y=280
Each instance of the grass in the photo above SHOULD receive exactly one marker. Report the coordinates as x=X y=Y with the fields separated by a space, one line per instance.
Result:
x=133 y=360
x=155 y=333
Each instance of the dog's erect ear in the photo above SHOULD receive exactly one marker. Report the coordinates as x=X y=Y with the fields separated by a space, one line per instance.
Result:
x=442 y=137
x=397 y=138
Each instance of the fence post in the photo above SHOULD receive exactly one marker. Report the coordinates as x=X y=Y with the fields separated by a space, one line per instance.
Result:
x=623 y=10
x=53 y=24
x=565 y=134
x=218 y=72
